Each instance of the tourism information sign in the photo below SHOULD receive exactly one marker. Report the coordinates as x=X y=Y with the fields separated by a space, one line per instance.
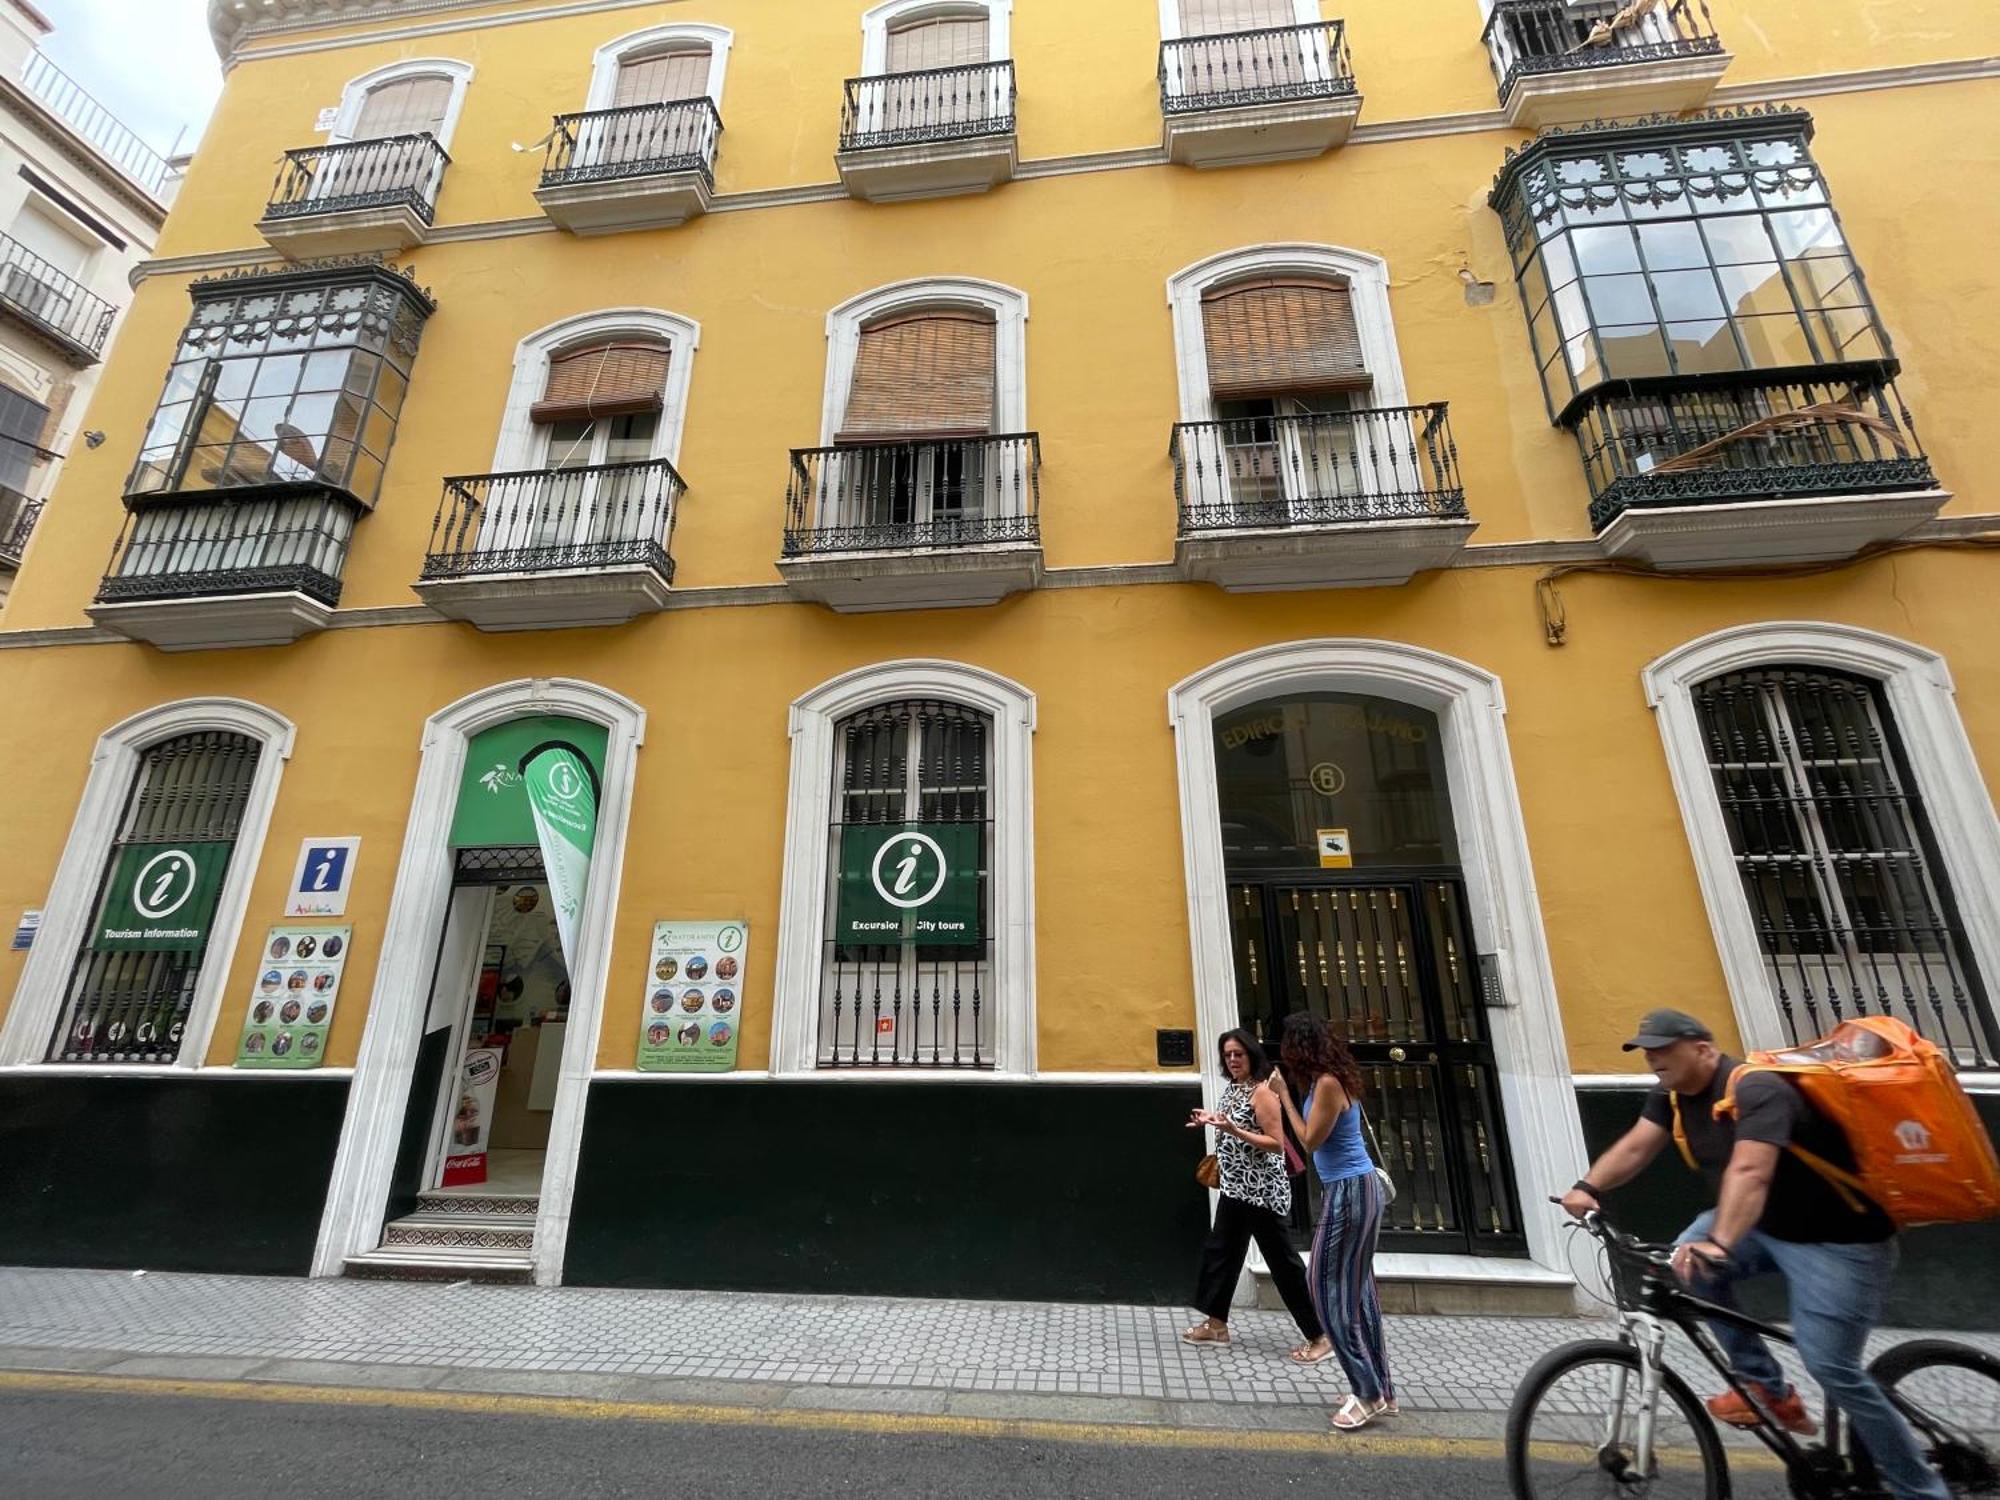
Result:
x=694 y=997
x=908 y=883
x=161 y=897
x=563 y=799
x=292 y=997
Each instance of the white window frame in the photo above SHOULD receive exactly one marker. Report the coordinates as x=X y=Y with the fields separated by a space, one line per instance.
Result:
x=519 y=445
x=1304 y=13
x=71 y=902
x=1367 y=278
x=355 y=94
x=1007 y=305
x=1944 y=772
x=815 y=720
x=606 y=60
x=877 y=22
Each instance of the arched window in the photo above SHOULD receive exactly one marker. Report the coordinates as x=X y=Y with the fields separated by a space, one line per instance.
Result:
x=907 y=36
x=660 y=65
x=420 y=97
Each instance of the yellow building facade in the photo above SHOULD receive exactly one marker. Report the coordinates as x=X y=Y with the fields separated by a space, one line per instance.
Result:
x=1262 y=509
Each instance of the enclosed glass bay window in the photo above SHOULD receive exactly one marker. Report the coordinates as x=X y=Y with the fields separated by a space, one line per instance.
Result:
x=1681 y=249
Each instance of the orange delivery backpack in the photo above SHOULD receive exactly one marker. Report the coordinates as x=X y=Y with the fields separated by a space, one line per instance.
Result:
x=1919 y=1148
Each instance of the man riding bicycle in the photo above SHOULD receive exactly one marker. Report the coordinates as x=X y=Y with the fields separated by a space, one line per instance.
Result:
x=1772 y=1213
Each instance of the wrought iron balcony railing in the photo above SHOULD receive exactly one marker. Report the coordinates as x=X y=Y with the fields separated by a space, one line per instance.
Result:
x=398 y=171
x=928 y=493
x=1391 y=463
x=937 y=104
x=556 y=520
x=1268 y=66
x=52 y=301
x=1751 y=440
x=641 y=140
x=1525 y=37
x=18 y=515
x=273 y=539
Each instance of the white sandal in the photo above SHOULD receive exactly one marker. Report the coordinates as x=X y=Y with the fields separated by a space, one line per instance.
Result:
x=1355 y=1413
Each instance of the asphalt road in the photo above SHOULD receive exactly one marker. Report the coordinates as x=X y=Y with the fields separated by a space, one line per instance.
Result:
x=60 y=1444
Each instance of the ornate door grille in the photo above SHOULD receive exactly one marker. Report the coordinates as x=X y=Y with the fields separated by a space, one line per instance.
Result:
x=1837 y=859
x=133 y=1007
x=1391 y=967
x=896 y=1004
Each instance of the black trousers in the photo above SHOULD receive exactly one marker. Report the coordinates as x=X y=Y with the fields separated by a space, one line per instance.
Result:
x=1236 y=1224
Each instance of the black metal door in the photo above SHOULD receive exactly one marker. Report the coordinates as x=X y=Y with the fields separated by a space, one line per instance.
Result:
x=1390 y=964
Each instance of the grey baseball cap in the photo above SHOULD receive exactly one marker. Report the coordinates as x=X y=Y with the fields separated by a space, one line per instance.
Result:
x=1664 y=1027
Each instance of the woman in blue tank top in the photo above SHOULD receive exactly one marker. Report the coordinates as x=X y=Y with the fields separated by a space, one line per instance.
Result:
x=1316 y=1065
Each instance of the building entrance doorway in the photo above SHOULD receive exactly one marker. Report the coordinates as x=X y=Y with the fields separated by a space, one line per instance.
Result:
x=1346 y=901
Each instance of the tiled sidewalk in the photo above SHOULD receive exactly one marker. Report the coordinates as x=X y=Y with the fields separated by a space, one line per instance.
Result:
x=1126 y=1357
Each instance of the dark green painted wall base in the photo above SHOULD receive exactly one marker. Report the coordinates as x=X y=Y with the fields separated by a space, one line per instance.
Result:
x=1041 y=1191
x=166 y=1174
x=1947 y=1278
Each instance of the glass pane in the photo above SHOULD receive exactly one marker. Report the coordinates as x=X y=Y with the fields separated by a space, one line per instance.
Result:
x=1619 y=299
x=204 y=470
x=334 y=462
x=377 y=431
x=1704 y=346
x=1672 y=247
x=1737 y=239
x=360 y=371
x=278 y=375
x=312 y=414
x=232 y=380
x=1810 y=231
x=167 y=424
x=259 y=423
x=389 y=392
x=1776 y=342
x=1581 y=355
x=1685 y=295
x=1755 y=288
x=1599 y=251
x=182 y=381
x=325 y=370
x=1634 y=350
x=570 y=444
x=1571 y=314
x=1828 y=281
x=365 y=476
x=1534 y=285
x=1558 y=261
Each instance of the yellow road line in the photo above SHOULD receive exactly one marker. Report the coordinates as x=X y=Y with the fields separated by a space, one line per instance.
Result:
x=573 y=1408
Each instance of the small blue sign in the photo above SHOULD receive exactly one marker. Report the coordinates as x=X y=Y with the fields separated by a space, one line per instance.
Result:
x=322 y=877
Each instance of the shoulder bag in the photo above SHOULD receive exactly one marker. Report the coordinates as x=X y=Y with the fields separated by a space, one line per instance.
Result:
x=1388 y=1183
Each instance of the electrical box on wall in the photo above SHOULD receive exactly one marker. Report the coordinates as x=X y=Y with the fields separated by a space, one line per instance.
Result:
x=1491 y=990
x=1175 y=1049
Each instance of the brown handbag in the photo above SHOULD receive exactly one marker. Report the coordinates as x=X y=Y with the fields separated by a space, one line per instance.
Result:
x=1208 y=1172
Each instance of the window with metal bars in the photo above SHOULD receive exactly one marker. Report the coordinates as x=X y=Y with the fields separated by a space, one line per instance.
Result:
x=898 y=1004
x=1838 y=862
x=132 y=1006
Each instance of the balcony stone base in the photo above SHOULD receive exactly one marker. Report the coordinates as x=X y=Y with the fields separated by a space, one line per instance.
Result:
x=865 y=582
x=658 y=201
x=1605 y=91
x=349 y=231
x=1250 y=133
x=932 y=169
x=1347 y=555
x=218 y=622
x=1754 y=533
x=548 y=601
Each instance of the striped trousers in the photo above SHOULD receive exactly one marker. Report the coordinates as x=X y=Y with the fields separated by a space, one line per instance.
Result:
x=1342 y=1275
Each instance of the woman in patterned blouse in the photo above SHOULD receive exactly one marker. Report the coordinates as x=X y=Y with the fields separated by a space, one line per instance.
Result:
x=1255 y=1200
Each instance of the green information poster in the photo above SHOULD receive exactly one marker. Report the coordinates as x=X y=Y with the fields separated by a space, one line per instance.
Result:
x=160 y=897
x=292 y=998
x=908 y=883
x=694 y=997
x=563 y=800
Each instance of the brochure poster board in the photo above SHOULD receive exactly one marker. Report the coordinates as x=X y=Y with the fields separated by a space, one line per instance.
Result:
x=472 y=1117
x=292 y=997
x=694 y=997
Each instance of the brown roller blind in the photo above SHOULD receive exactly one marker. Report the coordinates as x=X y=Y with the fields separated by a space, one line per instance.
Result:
x=929 y=373
x=408 y=106
x=1220 y=17
x=944 y=42
x=661 y=77
x=1271 y=336
x=604 y=380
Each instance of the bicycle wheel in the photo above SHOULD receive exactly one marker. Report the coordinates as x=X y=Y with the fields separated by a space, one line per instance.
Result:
x=1951 y=1394
x=1574 y=1426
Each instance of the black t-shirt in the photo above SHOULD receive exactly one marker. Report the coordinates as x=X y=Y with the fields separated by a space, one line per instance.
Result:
x=1803 y=1206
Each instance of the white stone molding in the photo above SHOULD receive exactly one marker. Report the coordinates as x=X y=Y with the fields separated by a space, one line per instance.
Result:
x=372 y=1131
x=519 y=445
x=1917 y=689
x=1304 y=13
x=681 y=36
x=802 y=912
x=1008 y=305
x=72 y=900
x=877 y=21
x=355 y=94
x=1544 y=1130
x=1366 y=275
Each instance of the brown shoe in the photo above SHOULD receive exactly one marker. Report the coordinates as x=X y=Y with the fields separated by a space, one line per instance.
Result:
x=1789 y=1409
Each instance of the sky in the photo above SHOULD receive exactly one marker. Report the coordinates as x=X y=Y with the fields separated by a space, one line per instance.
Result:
x=149 y=62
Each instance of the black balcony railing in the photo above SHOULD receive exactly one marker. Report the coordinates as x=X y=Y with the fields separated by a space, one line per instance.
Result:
x=556 y=520
x=398 y=171
x=52 y=301
x=1525 y=37
x=641 y=140
x=938 y=104
x=937 y=492
x=1268 y=66
x=18 y=515
x=1754 y=440
x=280 y=538
x=1392 y=463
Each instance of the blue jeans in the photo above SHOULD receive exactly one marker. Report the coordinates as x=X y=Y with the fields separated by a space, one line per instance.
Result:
x=1836 y=1294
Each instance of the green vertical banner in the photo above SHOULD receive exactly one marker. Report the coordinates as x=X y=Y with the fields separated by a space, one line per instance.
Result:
x=562 y=794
